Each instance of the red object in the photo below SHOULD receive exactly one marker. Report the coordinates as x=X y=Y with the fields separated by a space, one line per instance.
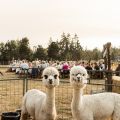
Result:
x=65 y=67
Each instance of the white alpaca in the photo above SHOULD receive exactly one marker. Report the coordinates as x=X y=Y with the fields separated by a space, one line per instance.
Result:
x=39 y=105
x=100 y=106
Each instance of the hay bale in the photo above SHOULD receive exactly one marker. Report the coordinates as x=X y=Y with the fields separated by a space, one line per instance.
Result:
x=116 y=83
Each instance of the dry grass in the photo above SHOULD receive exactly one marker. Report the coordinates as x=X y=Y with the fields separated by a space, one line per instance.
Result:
x=11 y=93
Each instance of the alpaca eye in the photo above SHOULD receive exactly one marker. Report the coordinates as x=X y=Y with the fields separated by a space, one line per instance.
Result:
x=83 y=74
x=45 y=76
x=72 y=74
x=55 y=76
x=77 y=74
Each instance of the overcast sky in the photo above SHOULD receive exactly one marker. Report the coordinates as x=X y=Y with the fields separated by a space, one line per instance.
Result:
x=94 y=21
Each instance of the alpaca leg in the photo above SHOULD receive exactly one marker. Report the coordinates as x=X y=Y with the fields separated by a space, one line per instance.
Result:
x=90 y=117
x=116 y=113
x=32 y=118
x=116 y=117
x=24 y=116
x=24 y=113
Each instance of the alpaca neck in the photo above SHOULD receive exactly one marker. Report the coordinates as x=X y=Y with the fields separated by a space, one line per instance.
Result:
x=77 y=98
x=50 y=100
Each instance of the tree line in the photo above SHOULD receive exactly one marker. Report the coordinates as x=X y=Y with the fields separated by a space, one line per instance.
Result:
x=65 y=48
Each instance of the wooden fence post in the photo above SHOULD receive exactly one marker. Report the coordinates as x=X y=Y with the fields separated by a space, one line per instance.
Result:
x=107 y=59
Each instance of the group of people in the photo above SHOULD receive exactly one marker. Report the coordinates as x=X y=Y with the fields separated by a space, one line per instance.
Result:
x=36 y=67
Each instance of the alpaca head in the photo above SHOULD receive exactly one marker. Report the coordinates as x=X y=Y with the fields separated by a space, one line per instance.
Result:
x=78 y=77
x=50 y=77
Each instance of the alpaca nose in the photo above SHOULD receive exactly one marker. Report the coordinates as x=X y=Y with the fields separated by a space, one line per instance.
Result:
x=78 y=78
x=50 y=81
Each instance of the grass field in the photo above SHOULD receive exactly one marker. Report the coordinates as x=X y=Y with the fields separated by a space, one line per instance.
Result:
x=11 y=93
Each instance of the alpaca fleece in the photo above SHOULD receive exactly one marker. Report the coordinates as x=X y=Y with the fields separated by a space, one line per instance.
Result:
x=40 y=105
x=101 y=106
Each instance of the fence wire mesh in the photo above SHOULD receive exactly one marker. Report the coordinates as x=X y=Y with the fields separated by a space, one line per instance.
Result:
x=12 y=89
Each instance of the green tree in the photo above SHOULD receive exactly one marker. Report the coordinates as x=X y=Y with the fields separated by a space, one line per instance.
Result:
x=64 y=46
x=2 y=55
x=53 y=51
x=40 y=53
x=87 y=55
x=115 y=52
x=11 y=50
x=96 y=54
x=24 y=49
x=77 y=48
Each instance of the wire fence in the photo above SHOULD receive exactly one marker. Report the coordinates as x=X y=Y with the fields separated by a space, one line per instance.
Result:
x=13 y=87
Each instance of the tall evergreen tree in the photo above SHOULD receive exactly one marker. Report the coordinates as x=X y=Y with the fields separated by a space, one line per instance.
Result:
x=24 y=49
x=64 y=46
x=53 y=51
x=40 y=53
